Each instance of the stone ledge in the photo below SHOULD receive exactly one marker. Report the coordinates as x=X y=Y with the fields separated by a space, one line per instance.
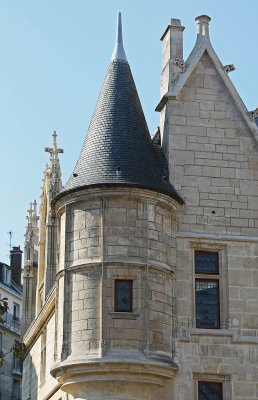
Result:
x=210 y=332
x=123 y=315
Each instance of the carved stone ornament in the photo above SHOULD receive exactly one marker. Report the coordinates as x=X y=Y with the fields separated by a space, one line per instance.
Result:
x=229 y=68
x=178 y=62
x=253 y=114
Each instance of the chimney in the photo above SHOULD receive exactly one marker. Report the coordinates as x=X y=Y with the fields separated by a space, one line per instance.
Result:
x=203 y=27
x=16 y=264
x=172 y=54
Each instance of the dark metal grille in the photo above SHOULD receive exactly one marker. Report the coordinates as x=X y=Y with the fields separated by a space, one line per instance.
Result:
x=210 y=391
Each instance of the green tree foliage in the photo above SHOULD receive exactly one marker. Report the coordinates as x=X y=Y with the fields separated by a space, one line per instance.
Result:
x=18 y=349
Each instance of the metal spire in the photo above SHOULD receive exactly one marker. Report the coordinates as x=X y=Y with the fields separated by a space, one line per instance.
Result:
x=119 y=52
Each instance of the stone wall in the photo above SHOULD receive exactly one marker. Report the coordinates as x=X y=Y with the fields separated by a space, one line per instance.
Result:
x=32 y=385
x=213 y=161
x=212 y=156
x=118 y=236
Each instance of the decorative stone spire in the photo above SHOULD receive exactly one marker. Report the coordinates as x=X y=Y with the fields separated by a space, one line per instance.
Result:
x=32 y=216
x=31 y=230
x=54 y=170
x=119 y=52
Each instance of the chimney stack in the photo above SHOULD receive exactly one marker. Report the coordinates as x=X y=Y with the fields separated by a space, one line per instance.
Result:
x=172 y=54
x=16 y=264
x=203 y=26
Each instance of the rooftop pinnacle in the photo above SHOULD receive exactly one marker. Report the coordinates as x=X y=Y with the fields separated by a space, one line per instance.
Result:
x=119 y=52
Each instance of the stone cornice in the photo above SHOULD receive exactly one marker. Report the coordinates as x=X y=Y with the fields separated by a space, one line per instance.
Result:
x=222 y=237
x=35 y=327
x=99 y=192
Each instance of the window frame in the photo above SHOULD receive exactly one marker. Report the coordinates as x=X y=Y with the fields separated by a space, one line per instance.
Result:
x=224 y=379
x=209 y=277
x=211 y=246
x=116 y=308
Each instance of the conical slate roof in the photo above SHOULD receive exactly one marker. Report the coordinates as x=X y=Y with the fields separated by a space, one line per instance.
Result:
x=118 y=150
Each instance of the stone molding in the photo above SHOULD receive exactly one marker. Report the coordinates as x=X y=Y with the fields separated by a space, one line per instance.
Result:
x=217 y=237
x=81 y=376
x=100 y=192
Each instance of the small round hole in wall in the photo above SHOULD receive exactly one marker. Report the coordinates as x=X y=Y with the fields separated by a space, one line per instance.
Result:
x=213 y=212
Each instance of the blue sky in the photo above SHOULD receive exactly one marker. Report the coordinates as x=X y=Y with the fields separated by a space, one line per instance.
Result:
x=53 y=59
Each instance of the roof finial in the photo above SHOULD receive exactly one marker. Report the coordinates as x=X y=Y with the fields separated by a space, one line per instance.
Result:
x=119 y=52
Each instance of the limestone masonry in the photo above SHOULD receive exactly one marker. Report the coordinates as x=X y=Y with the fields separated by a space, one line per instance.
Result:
x=140 y=275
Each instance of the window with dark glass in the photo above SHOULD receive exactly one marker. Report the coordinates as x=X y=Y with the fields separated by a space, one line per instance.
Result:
x=206 y=263
x=207 y=305
x=16 y=365
x=123 y=295
x=16 y=390
x=210 y=391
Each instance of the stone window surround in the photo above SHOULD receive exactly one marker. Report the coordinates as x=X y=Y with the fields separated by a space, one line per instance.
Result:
x=124 y=315
x=210 y=377
x=212 y=246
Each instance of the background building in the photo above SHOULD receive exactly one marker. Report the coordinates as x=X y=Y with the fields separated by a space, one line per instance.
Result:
x=11 y=288
x=146 y=285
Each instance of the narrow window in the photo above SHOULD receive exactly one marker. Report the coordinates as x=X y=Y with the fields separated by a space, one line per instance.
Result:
x=207 y=304
x=16 y=365
x=16 y=390
x=210 y=391
x=16 y=311
x=123 y=295
x=43 y=355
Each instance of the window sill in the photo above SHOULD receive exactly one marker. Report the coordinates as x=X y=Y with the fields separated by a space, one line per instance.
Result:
x=123 y=315
x=210 y=332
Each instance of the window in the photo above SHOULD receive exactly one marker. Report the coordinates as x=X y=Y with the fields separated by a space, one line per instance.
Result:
x=123 y=295
x=16 y=390
x=16 y=311
x=207 y=290
x=7 y=274
x=43 y=355
x=210 y=391
x=16 y=365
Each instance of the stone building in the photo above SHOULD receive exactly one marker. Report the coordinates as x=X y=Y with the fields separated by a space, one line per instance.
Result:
x=145 y=282
x=11 y=288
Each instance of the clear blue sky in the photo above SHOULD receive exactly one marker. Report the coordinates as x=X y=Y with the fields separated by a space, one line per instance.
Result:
x=53 y=59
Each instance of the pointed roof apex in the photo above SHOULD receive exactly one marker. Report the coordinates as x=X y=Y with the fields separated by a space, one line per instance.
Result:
x=119 y=52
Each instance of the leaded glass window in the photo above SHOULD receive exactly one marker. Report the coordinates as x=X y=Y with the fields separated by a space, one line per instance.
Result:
x=123 y=295
x=207 y=303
